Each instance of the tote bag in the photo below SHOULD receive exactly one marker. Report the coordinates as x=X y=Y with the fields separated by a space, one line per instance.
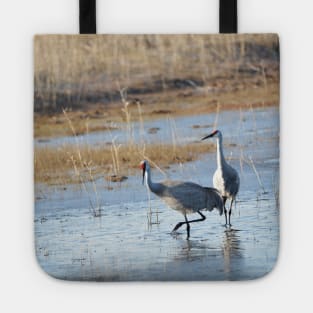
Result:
x=156 y=156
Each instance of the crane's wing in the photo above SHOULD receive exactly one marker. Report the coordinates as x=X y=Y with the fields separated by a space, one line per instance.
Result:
x=232 y=181
x=227 y=181
x=216 y=200
x=190 y=197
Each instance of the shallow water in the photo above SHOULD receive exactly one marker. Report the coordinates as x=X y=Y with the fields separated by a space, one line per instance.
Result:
x=182 y=129
x=122 y=245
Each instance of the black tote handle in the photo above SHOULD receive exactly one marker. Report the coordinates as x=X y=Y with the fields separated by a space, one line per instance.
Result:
x=87 y=17
x=228 y=16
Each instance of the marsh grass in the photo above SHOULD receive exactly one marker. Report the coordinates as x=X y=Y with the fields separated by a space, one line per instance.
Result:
x=65 y=61
x=257 y=174
x=77 y=72
x=55 y=165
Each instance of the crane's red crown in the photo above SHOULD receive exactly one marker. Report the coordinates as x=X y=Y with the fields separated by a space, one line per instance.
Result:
x=142 y=165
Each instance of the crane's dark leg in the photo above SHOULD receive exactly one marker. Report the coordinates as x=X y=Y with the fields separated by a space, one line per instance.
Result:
x=189 y=222
x=225 y=211
x=188 y=227
x=229 y=213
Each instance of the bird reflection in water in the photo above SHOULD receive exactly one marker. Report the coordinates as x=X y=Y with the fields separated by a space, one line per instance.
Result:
x=232 y=252
x=192 y=250
x=220 y=258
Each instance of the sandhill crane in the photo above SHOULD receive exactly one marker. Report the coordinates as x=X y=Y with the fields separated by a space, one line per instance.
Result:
x=226 y=179
x=185 y=197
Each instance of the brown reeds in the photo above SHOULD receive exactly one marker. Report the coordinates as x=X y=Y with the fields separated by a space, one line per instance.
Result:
x=55 y=165
x=76 y=71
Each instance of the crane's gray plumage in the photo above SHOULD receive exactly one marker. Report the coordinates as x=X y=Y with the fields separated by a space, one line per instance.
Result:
x=226 y=179
x=189 y=198
x=185 y=197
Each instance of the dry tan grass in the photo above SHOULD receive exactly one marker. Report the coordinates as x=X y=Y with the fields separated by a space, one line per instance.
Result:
x=74 y=71
x=68 y=59
x=73 y=164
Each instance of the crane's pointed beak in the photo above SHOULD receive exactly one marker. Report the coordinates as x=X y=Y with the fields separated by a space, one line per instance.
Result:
x=143 y=175
x=207 y=137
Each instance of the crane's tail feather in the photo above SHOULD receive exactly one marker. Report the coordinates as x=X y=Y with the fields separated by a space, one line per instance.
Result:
x=217 y=200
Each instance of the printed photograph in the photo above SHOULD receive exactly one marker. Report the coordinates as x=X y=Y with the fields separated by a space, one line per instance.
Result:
x=156 y=157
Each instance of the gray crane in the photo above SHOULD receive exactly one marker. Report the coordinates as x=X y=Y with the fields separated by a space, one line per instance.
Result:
x=226 y=179
x=185 y=197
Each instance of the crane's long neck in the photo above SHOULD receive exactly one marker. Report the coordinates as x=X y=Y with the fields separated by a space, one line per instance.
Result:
x=220 y=154
x=154 y=187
